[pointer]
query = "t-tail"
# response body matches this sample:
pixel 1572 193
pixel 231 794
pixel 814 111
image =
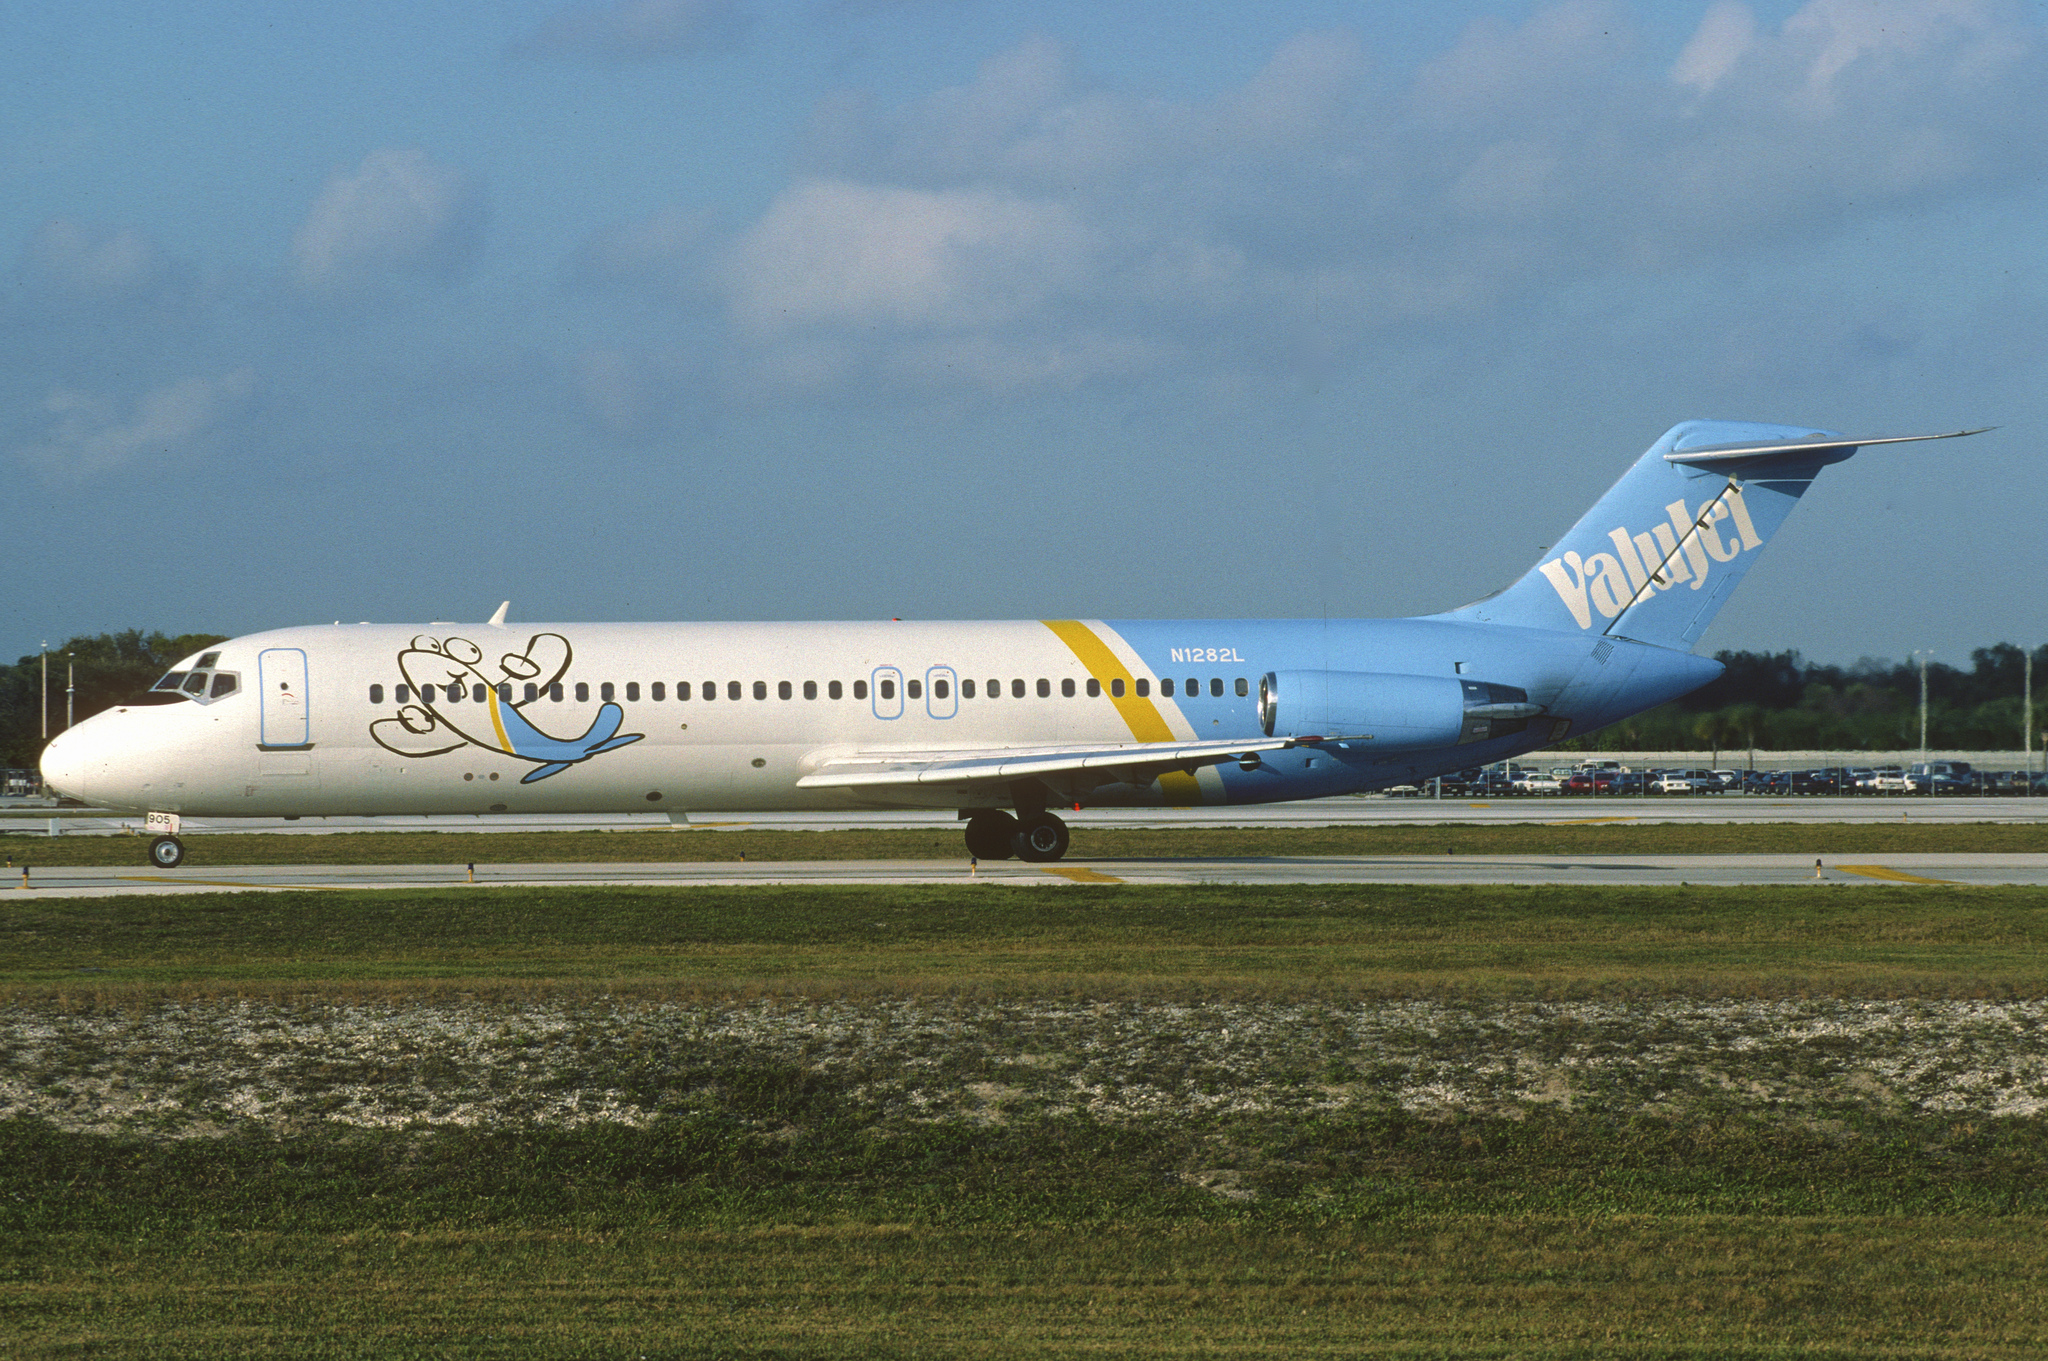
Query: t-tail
pixel 1655 558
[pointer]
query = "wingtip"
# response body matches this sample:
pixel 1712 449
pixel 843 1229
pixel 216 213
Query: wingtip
pixel 497 621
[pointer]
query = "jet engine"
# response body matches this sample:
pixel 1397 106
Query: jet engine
pixel 1393 712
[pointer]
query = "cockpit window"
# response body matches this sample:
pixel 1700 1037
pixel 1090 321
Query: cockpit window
pixel 207 662
pixel 224 683
pixel 195 684
pixel 171 681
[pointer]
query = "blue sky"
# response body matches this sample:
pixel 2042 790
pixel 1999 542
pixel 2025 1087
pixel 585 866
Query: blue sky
pixel 724 309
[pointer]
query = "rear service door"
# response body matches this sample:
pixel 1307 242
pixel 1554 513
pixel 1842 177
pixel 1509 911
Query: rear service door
pixel 281 680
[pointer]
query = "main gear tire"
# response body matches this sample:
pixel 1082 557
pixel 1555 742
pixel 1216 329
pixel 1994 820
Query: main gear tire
pixel 988 836
pixel 1039 837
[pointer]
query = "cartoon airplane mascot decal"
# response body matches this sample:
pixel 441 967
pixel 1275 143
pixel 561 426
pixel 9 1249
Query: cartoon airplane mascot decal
pixel 446 673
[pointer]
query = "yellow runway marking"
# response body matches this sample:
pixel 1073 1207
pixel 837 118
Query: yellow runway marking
pixel 1575 822
pixel 220 883
pixel 1082 876
pixel 1895 876
pixel 1479 805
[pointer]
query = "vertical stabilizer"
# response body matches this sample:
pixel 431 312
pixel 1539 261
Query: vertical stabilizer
pixel 1656 558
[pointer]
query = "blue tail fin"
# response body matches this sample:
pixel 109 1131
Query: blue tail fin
pixel 1656 558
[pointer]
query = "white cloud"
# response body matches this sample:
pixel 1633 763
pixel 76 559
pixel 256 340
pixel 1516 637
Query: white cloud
pixel 397 212
pixel 637 30
pixel 90 434
pixel 1031 226
pixel 1723 37
pixel 829 251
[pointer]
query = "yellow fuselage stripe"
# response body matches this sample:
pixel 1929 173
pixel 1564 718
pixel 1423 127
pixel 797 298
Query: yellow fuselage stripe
pixel 504 742
pixel 1138 712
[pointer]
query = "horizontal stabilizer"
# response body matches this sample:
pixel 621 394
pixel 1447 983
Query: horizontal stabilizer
pixel 1720 455
pixel 872 769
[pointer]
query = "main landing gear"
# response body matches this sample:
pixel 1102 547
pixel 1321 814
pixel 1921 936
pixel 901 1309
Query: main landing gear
pixel 993 834
pixel 167 852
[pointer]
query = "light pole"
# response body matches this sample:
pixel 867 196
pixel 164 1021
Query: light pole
pixel 46 689
pixel 70 688
pixel 2027 709
pixel 1922 654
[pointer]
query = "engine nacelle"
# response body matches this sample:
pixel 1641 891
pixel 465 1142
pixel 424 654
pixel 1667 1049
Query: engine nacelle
pixel 1393 712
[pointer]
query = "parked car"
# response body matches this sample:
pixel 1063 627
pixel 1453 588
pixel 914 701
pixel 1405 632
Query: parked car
pixel 1686 782
pixel 1537 782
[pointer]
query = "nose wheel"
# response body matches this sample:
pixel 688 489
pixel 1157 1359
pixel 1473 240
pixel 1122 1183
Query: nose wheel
pixel 167 852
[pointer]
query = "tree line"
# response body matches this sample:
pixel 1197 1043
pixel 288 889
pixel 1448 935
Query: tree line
pixel 1778 701
pixel 1772 700
pixel 108 668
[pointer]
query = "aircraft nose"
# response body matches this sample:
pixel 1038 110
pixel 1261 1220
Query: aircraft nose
pixel 64 764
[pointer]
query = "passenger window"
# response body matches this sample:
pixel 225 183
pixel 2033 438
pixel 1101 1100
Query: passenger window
pixel 888 689
pixel 632 690
pixel 1216 687
pixel 227 685
pixel 913 688
pixel 583 692
pixel 1243 687
pixel 940 689
pixel 555 692
pixel 1094 688
pixel 504 692
pixel 455 692
pixel 1194 689
pixel 1067 687
pixel 1044 688
pixel 995 689
pixel 532 692
pixel 376 694
pixel 833 690
pixel 760 689
pixel 732 689
pixel 1116 687
pixel 1144 688
pixel 810 689
pixel 1016 689
pixel 682 689
pixel 657 692
pixel 967 689
pixel 606 693
pixel 782 690
pixel 860 689
pixel 1166 686
pixel 208 662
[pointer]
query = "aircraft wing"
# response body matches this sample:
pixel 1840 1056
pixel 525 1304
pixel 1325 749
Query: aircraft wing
pixel 1137 762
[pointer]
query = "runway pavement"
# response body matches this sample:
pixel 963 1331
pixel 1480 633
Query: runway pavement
pixel 1348 811
pixel 1579 870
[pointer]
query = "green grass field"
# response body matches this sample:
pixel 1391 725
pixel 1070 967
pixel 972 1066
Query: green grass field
pixel 1577 830
pixel 976 1121
pixel 1092 940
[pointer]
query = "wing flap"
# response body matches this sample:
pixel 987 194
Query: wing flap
pixel 867 770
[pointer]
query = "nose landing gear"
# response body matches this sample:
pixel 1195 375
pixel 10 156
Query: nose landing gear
pixel 167 852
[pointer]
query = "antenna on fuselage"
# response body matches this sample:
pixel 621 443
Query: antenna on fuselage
pixel 497 621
